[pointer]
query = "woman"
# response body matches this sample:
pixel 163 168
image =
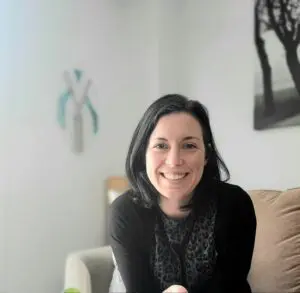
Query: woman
pixel 180 223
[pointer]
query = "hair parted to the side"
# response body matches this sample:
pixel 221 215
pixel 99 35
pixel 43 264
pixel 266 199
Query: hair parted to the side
pixel 143 191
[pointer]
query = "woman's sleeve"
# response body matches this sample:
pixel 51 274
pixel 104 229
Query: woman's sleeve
pixel 126 242
pixel 235 244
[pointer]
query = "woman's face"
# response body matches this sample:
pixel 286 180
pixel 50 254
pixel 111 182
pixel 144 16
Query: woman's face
pixel 175 156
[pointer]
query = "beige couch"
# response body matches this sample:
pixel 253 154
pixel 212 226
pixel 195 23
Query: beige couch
pixel 276 260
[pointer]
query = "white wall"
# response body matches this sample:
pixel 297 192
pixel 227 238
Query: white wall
pixel 218 54
pixel 51 200
pixel 170 55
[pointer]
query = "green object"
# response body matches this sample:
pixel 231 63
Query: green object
pixel 71 290
pixel 63 99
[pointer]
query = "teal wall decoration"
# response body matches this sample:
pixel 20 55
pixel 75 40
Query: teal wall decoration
pixel 80 99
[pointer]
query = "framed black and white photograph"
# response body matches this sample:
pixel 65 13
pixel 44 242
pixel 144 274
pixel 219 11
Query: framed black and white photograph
pixel 277 66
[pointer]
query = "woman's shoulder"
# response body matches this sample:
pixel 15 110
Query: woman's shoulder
pixel 128 219
pixel 233 194
pixel 124 198
pixel 126 208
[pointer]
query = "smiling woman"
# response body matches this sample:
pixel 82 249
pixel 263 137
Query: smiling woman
pixel 175 160
pixel 180 224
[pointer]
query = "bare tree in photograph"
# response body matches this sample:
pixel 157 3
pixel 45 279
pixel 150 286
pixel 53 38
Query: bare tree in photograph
pixel 277 39
pixel 261 24
pixel 284 19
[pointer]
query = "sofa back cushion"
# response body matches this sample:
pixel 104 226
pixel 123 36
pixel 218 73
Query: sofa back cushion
pixel 276 259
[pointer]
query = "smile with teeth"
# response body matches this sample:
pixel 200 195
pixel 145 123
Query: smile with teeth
pixel 174 176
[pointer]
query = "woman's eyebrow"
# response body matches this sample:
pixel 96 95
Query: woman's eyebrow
pixel 185 138
pixel 191 137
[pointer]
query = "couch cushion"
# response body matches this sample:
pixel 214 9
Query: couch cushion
pixel 276 260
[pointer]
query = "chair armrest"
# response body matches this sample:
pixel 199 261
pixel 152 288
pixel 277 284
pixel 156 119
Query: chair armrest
pixel 90 271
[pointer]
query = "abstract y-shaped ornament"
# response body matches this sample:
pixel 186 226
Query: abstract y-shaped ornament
pixel 79 99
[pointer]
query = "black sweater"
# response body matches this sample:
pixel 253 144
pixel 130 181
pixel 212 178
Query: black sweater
pixel 131 229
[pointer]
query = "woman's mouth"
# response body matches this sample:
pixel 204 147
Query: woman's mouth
pixel 174 176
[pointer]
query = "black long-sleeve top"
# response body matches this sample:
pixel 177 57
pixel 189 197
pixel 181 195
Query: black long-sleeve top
pixel 215 258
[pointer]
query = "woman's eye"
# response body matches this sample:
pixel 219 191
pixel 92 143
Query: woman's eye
pixel 189 146
pixel 161 146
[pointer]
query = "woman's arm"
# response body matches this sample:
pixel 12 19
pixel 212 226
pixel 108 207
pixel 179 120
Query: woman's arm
pixel 128 243
pixel 235 237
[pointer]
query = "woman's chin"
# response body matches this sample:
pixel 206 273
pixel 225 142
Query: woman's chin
pixel 180 196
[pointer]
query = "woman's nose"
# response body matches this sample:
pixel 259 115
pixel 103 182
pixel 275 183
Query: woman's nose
pixel 174 158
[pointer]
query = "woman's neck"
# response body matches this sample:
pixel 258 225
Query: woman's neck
pixel 172 208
